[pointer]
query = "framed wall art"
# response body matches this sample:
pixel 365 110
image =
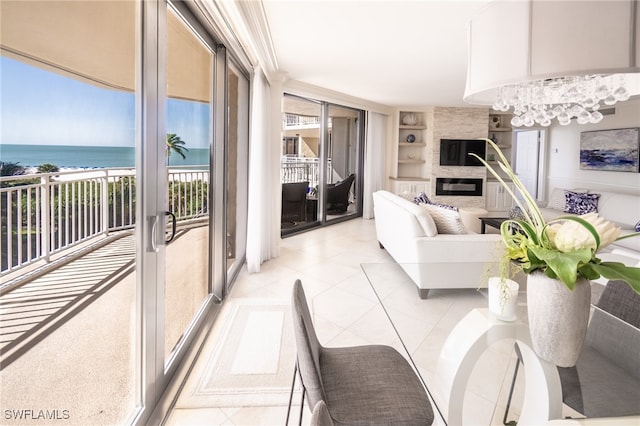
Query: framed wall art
pixel 613 150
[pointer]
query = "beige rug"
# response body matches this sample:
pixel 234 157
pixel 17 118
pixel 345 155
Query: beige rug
pixel 248 360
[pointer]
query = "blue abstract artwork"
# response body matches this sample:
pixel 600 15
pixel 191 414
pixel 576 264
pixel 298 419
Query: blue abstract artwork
pixel 613 150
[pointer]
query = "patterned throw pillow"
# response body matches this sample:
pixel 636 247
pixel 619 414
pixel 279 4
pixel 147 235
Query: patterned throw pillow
pixel 445 206
pixel 580 203
pixel 637 227
pixel 447 221
pixel 422 198
pixel 516 213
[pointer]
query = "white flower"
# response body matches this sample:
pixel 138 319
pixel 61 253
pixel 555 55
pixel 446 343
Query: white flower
pixel 570 235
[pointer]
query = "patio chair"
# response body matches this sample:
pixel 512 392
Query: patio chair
pixel 338 195
pixel 371 384
pixel 294 202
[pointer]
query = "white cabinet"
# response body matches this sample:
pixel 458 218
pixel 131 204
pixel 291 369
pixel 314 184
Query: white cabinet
pixel 498 199
pixel 411 187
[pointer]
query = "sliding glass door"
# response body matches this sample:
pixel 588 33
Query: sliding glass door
pixel 343 162
pixel 321 146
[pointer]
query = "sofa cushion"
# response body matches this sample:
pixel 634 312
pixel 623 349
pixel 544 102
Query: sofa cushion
pixel 447 221
pixel 631 243
pixel 619 208
pixel 580 203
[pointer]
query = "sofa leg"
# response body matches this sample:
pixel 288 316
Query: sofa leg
pixel 423 292
pixel 380 244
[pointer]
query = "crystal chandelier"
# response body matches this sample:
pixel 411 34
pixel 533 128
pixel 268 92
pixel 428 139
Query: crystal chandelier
pixel 562 98
pixel 544 60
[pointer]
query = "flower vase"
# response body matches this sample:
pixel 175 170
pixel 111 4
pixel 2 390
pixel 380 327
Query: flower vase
pixel 503 298
pixel 558 318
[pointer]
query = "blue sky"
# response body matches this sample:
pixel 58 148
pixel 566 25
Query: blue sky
pixel 39 107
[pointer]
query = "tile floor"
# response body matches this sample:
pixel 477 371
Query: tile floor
pixel 347 312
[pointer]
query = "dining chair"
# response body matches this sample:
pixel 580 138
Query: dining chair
pixel 605 382
pixel 320 415
pixel 360 385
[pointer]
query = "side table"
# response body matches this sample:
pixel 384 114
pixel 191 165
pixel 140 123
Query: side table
pixel 494 222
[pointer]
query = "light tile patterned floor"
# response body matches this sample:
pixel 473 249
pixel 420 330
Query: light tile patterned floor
pixel 347 312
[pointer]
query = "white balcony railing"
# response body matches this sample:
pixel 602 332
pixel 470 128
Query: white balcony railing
pixel 299 169
pixel 42 214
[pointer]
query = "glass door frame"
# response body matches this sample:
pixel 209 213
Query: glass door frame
pixel 153 375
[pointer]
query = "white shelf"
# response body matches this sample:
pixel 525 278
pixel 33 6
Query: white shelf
pixel 415 127
pixel 411 161
pixel 410 144
pixel 409 179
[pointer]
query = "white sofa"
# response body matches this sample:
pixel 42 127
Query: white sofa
pixel 432 260
pixel 621 209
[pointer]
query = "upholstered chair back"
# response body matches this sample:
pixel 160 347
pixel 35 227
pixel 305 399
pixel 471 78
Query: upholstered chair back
pixel 307 345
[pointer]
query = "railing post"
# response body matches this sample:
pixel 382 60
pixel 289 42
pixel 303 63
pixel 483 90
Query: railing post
pixel 104 203
pixel 45 216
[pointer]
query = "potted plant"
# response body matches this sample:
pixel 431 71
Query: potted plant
pixel 559 257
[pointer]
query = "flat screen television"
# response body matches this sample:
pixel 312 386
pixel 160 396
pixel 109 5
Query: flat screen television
pixel 455 152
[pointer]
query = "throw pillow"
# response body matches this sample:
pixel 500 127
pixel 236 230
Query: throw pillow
pixel 580 203
pixel 637 227
pixel 445 206
pixel 447 220
pixel 516 213
pixel 557 199
pixel 422 198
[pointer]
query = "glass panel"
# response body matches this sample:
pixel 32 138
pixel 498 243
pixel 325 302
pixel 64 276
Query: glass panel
pixel 300 163
pixel 342 161
pixel 237 165
pixel 189 126
pixel 68 284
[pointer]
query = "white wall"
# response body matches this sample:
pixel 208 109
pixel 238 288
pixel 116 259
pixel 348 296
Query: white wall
pixel 563 167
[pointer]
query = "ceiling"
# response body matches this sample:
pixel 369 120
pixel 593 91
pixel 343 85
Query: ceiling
pixel 392 52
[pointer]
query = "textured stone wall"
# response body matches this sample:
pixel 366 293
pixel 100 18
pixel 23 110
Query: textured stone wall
pixel 455 123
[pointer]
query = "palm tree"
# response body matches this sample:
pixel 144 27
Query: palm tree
pixel 175 144
pixel 48 168
pixel 12 169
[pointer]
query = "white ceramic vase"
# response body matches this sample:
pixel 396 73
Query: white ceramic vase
pixel 503 298
pixel 558 318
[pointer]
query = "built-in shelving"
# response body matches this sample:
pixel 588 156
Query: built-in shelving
pixel 410 173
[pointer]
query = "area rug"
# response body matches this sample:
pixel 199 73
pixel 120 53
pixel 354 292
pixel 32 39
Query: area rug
pixel 249 362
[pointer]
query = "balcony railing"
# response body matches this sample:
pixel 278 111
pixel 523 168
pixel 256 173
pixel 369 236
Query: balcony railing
pixel 299 169
pixel 43 214
pixel 292 120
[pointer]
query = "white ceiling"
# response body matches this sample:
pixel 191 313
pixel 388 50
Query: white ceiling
pixel 393 52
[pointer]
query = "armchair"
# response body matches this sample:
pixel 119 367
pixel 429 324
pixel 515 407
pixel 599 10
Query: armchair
pixel 338 195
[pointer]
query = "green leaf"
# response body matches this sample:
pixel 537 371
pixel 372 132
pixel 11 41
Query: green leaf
pixel 619 271
pixel 563 265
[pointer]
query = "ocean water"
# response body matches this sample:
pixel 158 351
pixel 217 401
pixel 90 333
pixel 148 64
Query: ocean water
pixel 88 157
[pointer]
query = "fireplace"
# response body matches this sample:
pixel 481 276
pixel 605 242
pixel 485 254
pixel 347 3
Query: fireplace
pixel 459 186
